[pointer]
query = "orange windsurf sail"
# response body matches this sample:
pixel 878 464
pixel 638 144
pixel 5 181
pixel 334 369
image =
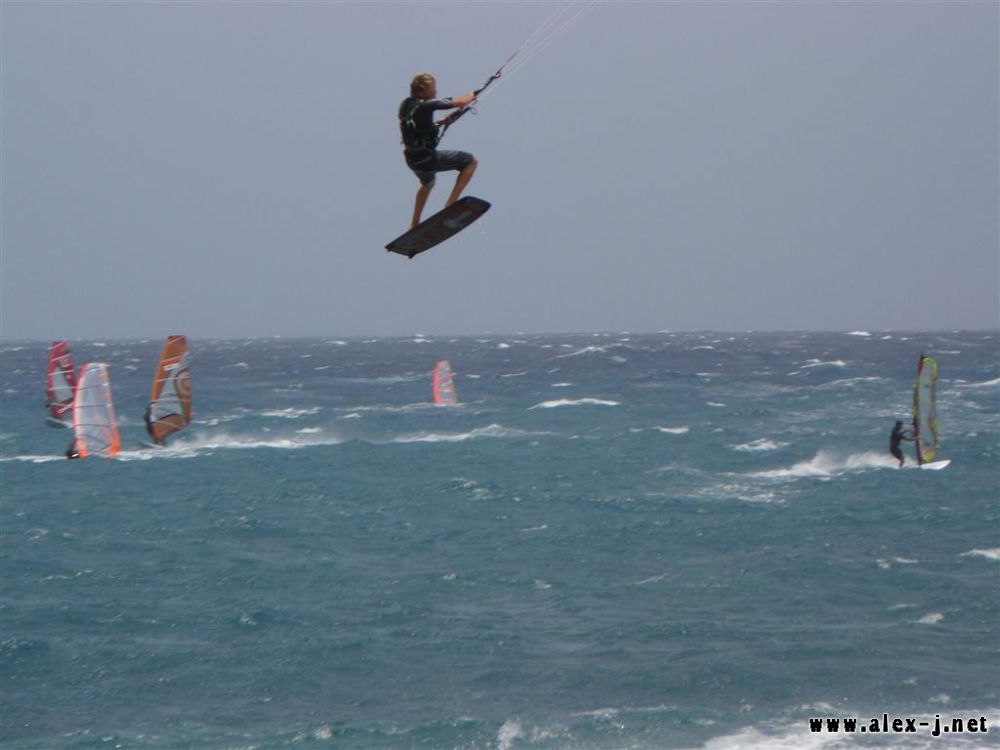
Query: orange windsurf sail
pixel 95 425
pixel 169 408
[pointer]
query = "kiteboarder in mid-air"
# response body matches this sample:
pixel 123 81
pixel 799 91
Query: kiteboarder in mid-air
pixel 420 139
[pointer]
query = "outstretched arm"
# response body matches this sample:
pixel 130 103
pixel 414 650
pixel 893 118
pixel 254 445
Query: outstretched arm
pixel 464 99
pixel 457 101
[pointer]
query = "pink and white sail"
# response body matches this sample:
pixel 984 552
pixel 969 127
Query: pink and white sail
pixel 442 384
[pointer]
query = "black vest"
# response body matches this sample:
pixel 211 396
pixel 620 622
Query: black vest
pixel 416 125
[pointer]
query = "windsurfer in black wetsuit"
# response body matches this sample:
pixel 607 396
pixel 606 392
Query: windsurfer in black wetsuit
pixel 72 451
pixel 420 139
pixel 147 418
pixel 899 435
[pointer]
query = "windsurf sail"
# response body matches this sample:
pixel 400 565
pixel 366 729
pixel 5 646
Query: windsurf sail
pixel 60 382
pixel 441 382
pixel 169 408
pixel 94 423
pixel 925 422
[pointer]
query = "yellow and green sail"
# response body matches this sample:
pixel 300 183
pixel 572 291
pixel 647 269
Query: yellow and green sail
pixel 925 422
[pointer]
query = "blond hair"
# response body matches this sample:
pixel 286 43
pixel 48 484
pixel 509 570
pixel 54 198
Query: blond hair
pixel 420 83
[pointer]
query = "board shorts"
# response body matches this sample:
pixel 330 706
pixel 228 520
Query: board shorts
pixel 425 166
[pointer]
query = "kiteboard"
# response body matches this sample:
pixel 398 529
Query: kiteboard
pixel 439 227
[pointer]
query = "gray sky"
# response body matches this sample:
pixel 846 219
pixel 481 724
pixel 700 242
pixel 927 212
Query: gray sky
pixel 234 168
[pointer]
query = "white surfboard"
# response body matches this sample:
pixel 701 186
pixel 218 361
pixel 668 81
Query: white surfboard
pixel 936 465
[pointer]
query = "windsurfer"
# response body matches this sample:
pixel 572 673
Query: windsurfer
pixel 420 139
pixel 147 417
pixel 72 451
pixel 898 435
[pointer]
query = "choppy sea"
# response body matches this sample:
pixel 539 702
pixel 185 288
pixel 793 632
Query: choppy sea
pixel 669 540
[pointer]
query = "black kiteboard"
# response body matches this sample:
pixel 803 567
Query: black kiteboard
pixel 439 227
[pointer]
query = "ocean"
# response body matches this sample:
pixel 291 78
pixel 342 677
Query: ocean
pixel 615 540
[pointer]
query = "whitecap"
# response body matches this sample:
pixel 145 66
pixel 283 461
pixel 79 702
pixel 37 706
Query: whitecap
pixel 760 444
pixel 396 408
pixel 651 579
pixel 574 402
pixel 33 459
pixel 851 382
pixel 990 554
pixel 193 447
pixel 325 732
pixel 509 732
pixel 821 363
pixel 585 350
pixel 985 384
pixel 827 464
pixel 665 430
pixel 740 491
pixel 291 413
pixel 887 564
pixel 490 431
pixel 932 618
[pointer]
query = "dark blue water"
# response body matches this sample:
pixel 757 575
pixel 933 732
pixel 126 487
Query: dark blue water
pixel 614 541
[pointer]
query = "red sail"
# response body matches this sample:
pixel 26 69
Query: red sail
pixel 60 383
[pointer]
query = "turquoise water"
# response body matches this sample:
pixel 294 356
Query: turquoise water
pixel 613 541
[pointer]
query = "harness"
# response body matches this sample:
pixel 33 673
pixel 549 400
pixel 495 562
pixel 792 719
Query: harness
pixel 416 139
